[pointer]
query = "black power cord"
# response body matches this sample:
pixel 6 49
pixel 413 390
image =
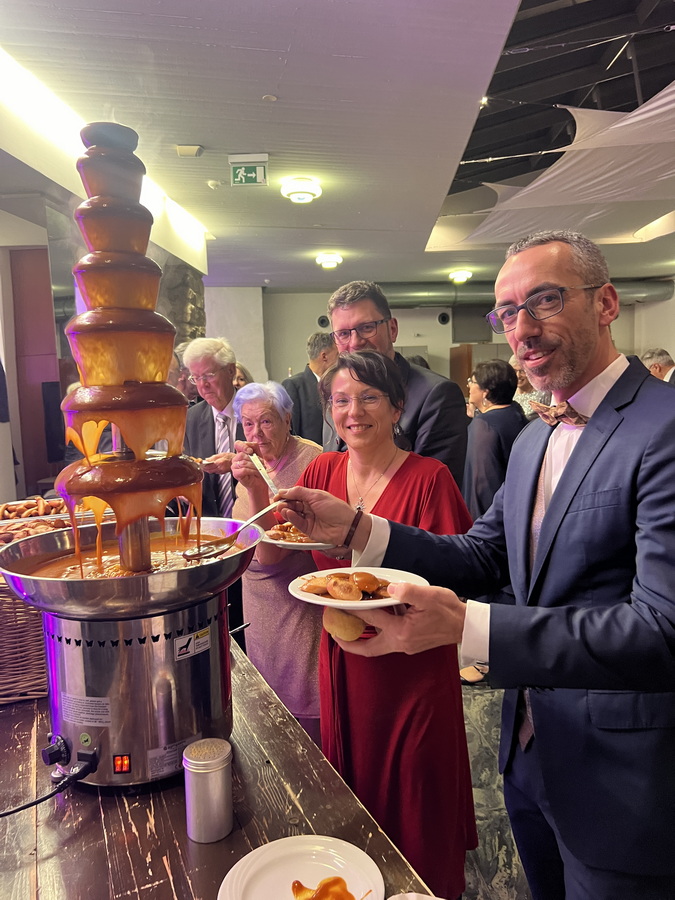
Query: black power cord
pixel 87 763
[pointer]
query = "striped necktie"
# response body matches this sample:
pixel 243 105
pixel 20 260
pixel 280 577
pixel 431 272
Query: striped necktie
pixel 223 445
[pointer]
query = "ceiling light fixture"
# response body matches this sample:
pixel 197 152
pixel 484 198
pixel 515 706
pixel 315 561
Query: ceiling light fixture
pixel 302 189
pixel 329 260
pixel 460 276
pixel 189 151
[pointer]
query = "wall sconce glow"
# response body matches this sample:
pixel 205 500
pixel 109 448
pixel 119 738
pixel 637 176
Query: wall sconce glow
pixel 302 189
pixel 460 276
pixel 329 260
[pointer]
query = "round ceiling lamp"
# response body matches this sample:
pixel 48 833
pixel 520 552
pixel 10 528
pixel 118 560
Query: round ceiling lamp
pixel 301 189
pixel 460 276
pixel 329 260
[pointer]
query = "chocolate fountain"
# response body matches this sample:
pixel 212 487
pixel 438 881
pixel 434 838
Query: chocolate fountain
pixel 136 636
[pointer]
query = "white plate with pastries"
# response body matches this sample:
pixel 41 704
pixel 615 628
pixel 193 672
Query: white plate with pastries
pixel 290 538
pixel 269 872
pixel 387 575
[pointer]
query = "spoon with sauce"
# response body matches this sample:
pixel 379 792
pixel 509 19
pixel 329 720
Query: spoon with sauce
pixel 216 548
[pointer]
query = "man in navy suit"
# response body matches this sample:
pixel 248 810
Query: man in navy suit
pixel 434 420
pixel 303 387
pixel 584 530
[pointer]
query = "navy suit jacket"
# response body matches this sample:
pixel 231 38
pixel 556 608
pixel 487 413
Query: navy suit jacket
pixel 592 628
pixel 434 421
pixel 306 418
pixel 200 441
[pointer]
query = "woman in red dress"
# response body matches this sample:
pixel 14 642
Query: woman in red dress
pixel 393 726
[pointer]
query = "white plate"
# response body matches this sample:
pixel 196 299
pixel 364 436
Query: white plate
pixel 295 588
pixel 297 545
pixel 268 872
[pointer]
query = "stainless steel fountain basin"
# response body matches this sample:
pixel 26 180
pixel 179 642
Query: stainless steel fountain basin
pixel 129 597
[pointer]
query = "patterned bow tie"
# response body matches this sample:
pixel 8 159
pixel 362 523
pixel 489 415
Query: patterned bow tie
pixel 563 412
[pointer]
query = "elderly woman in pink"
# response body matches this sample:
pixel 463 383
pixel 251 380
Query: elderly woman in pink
pixel 283 638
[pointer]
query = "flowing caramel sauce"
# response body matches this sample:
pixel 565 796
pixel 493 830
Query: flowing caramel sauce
pixel 123 350
pixel 166 555
pixel 334 888
pixel 144 414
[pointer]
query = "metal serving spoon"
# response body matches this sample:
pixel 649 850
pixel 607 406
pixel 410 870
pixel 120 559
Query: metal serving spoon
pixel 215 548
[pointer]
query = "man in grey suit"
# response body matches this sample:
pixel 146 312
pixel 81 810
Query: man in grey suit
pixel 584 529
pixel 660 363
pixel 210 429
pixel 210 433
pixel 303 388
pixel 434 421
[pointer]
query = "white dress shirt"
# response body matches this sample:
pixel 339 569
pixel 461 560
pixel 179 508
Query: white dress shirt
pixel 563 440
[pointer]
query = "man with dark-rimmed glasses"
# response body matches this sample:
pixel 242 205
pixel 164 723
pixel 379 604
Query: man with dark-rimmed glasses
pixel 584 530
pixel 434 419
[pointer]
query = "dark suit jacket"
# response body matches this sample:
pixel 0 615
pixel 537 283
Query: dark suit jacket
pixel 434 420
pixel 306 418
pixel 593 625
pixel 200 441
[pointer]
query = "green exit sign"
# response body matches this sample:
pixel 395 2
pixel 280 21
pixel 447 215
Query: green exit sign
pixel 248 175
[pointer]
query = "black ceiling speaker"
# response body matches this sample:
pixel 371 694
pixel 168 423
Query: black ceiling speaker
pixel 443 318
pixel 323 321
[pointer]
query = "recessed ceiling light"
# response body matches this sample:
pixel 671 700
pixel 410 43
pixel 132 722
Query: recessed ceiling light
pixel 460 276
pixel 270 98
pixel 301 189
pixel 329 260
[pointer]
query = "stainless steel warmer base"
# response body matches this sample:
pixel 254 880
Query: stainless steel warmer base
pixel 139 690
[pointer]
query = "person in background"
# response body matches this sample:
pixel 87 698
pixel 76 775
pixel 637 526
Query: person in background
pixel 660 363
pixel 243 376
pixel 173 376
pixel 583 527
pixel 303 387
pixel 434 420
pixel 393 727
pixel 496 424
pixel 283 638
pixel 525 393
pixel 418 361
pixel 210 434
pixel 210 428
pixel 184 385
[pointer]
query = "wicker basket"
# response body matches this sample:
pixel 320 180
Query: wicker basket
pixel 23 671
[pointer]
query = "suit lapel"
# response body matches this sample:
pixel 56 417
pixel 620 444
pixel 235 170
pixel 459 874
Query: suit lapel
pixel 519 501
pixel 597 433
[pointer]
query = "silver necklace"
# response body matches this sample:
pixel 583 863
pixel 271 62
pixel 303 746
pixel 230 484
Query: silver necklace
pixel 361 504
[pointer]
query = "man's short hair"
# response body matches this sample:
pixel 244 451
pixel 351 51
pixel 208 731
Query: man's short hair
pixel 209 348
pixel 658 356
pixel 321 340
pixel 588 257
pixel 350 293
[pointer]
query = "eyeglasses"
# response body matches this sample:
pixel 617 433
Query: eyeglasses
pixel 365 330
pixel 541 305
pixel 207 376
pixel 342 402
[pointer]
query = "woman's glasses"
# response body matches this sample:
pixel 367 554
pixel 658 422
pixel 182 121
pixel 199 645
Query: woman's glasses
pixel 342 402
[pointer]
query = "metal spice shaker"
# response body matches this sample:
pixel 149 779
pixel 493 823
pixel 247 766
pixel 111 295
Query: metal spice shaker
pixel 208 789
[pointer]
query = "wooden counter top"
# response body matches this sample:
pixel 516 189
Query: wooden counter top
pixel 105 844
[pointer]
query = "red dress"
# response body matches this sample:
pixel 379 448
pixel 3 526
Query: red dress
pixel 393 726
